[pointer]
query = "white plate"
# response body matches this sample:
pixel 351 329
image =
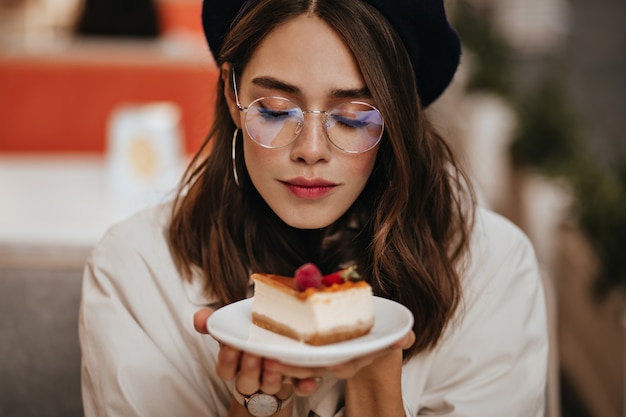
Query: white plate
pixel 232 325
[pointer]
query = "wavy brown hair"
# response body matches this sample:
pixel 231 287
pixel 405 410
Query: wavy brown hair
pixel 409 229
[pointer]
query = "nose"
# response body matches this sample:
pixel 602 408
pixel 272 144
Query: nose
pixel 311 144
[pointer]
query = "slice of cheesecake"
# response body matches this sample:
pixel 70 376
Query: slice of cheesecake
pixel 314 315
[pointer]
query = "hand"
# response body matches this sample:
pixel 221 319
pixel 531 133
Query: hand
pixel 373 382
pixel 250 370
pixel 200 319
pixel 351 368
pixel 347 369
pixel 373 385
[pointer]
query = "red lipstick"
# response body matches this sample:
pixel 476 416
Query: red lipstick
pixel 309 189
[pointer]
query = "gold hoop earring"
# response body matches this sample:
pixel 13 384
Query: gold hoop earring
pixel 234 154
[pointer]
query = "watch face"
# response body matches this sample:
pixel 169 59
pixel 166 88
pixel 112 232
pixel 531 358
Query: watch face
pixel 262 405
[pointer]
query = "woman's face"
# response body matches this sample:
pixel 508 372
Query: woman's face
pixel 309 183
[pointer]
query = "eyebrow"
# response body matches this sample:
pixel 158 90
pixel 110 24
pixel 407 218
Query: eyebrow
pixel 274 84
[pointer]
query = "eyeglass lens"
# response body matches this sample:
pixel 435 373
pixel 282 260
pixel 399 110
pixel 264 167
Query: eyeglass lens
pixel 274 122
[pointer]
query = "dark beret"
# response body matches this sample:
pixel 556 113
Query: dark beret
pixel 432 44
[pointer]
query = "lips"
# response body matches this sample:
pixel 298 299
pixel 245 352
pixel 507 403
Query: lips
pixel 309 189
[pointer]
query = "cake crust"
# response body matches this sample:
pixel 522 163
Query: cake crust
pixel 338 334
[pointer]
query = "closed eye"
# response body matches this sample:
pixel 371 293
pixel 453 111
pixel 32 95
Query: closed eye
pixel 349 122
pixel 276 114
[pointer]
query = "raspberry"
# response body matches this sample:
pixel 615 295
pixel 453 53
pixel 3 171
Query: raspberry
pixel 307 276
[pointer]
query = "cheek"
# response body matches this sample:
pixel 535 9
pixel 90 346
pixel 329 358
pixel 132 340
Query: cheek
pixel 259 161
pixel 359 167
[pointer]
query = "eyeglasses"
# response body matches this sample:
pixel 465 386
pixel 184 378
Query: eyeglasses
pixel 274 122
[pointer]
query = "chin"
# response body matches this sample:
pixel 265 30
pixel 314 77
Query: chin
pixel 312 222
pixel 308 225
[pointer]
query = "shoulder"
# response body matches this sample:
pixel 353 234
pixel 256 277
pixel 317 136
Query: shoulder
pixel 134 257
pixel 498 248
pixel 501 279
pixel 138 229
pixel 142 235
pixel 134 250
pixel 496 233
pixel 502 285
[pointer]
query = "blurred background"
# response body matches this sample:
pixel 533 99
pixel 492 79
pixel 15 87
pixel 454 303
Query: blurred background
pixel 102 102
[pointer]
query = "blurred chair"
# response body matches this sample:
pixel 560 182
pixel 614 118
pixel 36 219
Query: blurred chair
pixel 39 348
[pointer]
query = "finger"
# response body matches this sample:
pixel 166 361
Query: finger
pixel 271 381
pixel 406 342
pixel 200 318
pixel 249 376
pixel 350 368
pixel 307 386
pixel 227 364
pixel 292 371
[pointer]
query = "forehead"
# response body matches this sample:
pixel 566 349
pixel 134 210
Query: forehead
pixel 308 53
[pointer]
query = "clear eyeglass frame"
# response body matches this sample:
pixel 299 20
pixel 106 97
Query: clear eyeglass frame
pixel 363 131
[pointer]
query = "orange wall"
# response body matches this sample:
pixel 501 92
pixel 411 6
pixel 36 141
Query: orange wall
pixel 61 102
pixel 56 106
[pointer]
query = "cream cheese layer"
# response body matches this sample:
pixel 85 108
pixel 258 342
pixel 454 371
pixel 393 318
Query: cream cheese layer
pixel 319 313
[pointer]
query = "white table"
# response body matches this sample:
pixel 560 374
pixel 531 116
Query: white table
pixel 53 209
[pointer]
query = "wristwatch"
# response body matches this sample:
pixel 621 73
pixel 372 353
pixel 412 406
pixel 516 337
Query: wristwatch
pixel 261 404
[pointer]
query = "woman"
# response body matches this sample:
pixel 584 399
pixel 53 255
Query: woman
pixel 312 185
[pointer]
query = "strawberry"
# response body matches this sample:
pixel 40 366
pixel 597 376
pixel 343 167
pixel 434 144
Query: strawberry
pixel 342 276
pixel 334 278
pixel 307 276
